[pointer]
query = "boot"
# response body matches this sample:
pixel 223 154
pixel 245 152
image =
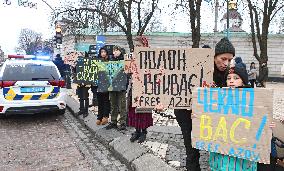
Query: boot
pixel 79 113
pixel 104 120
pixel 135 136
pixel 111 126
pixel 142 137
pixel 85 114
pixel 122 127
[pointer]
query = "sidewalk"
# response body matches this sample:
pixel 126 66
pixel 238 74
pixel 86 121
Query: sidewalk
pixel 162 150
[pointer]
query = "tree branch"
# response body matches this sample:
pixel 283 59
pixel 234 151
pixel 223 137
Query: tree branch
pixel 253 30
pixel 100 13
pixel 275 12
pixel 148 18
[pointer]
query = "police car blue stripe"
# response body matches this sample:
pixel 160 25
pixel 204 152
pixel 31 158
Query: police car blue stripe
pixel 55 90
pixel 35 97
pixel 18 97
pixel 5 91
pixel 52 96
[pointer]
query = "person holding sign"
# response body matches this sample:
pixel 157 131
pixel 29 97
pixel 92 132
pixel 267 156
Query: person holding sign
pixel 237 77
pixel 142 120
pixel 103 97
pixel 118 98
pixel 224 53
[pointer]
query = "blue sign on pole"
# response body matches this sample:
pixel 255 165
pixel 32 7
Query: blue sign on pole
pixel 100 43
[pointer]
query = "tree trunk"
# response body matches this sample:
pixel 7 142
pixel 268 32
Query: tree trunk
pixel 263 73
pixel 130 41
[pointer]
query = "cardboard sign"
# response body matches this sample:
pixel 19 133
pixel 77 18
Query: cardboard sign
pixel 233 122
pixel 86 71
pixel 167 76
pixel 129 63
pixel 70 58
pixel 111 76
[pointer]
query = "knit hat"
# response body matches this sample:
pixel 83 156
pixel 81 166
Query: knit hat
pixel 224 46
pixel 239 68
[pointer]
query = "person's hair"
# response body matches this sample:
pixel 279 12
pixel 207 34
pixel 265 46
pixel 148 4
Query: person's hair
pixel 252 67
pixel 100 51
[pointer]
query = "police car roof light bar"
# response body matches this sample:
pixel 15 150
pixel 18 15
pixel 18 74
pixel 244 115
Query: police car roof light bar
pixel 21 56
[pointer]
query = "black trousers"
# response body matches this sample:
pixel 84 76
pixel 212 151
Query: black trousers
pixel 83 95
pixel 269 167
pixel 183 118
pixel 103 105
pixel 252 82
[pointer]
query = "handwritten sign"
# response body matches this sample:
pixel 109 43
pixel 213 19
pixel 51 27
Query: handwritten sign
pixel 86 71
pixel 167 76
pixel 233 122
pixel 111 76
pixel 129 63
pixel 70 58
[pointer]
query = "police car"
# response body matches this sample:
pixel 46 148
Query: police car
pixel 29 85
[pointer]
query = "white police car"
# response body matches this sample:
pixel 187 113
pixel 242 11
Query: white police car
pixel 29 86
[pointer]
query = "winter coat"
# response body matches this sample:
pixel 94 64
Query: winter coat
pixel 60 65
pixel 252 74
pixel 219 77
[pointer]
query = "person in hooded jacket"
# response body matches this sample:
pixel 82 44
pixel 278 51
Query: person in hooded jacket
pixel 60 65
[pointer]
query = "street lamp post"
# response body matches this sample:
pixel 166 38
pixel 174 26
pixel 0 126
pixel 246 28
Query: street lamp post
pixel 228 25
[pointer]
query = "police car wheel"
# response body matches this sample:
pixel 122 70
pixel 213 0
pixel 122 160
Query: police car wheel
pixel 2 116
pixel 61 112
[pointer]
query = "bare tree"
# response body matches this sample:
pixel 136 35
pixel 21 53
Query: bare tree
pixel 192 8
pixel 125 9
pixel 29 40
pixel 262 11
pixel 76 22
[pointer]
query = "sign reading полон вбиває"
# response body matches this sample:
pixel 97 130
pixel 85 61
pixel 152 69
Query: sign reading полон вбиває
pixel 233 122
pixel 167 76
pixel 86 71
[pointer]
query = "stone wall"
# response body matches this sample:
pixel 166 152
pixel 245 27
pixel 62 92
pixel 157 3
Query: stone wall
pixel 241 41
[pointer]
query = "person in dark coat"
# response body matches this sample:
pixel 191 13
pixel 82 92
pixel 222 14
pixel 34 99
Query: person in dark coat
pixel 224 53
pixel 103 96
pixel 60 65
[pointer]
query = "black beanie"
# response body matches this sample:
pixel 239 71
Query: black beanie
pixel 239 69
pixel 224 46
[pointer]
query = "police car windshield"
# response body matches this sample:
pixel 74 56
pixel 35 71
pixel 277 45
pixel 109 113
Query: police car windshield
pixel 30 72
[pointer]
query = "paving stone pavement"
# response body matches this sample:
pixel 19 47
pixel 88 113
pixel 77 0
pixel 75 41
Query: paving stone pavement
pixel 52 142
pixel 164 139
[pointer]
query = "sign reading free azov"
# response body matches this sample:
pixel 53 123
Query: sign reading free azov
pixel 168 76
pixel 233 122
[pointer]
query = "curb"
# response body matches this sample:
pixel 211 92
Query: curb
pixel 133 155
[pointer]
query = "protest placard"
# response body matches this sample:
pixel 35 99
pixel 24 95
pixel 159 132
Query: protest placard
pixel 111 76
pixel 70 58
pixel 129 63
pixel 233 122
pixel 86 71
pixel 167 76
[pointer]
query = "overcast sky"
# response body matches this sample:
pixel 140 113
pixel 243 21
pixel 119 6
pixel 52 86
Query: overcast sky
pixel 14 18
